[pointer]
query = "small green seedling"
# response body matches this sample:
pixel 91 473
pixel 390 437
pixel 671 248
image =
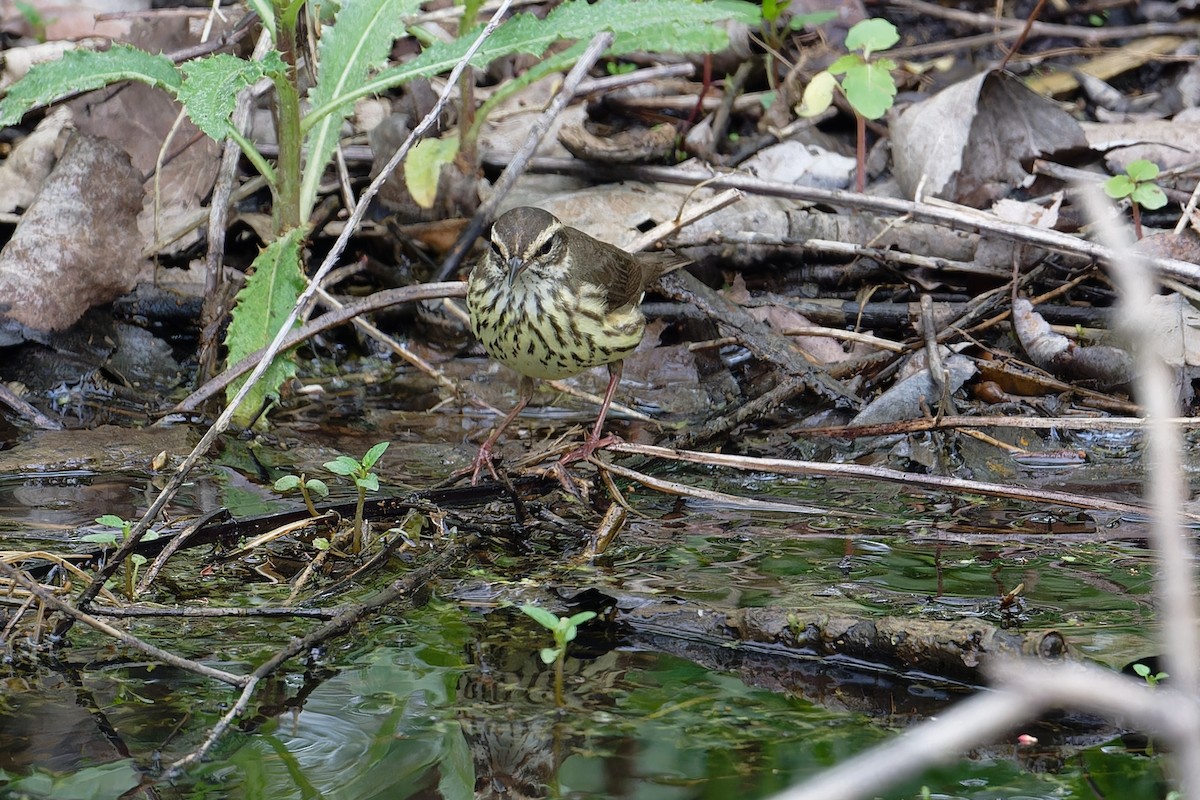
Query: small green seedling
pixel 564 629
pixel 309 487
pixel 1144 673
pixel 1137 183
pixel 134 561
pixel 866 82
pixel 364 481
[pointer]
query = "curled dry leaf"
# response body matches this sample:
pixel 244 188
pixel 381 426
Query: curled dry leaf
pixel 1055 353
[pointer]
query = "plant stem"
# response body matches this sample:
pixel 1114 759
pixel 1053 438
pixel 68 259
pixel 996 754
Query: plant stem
pixel 288 214
pixel 357 542
pixel 558 677
pixel 1137 218
pixel 860 179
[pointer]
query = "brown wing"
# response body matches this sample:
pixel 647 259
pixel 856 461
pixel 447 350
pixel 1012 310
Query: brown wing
pixel 625 276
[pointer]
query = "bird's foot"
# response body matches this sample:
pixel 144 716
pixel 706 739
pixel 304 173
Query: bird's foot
pixel 483 459
pixel 589 446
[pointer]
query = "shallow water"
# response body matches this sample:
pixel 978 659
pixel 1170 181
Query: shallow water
pixel 450 698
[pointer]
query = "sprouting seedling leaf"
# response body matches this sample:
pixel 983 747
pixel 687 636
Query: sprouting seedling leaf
pixel 1142 170
pixel 870 35
pixel 818 95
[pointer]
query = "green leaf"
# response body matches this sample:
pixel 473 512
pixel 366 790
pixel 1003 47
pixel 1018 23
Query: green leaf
pixel 1119 186
pixel 667 26
pixel 870 90
pixel 845 63
pixel 111 521
pixel 1142 170
pixel 262 306
pixel 549 654
pixel 541 616
pixel 83 70
pixel 368 483
pixel 211 86
pixel 423 168
pixel 107 538
pixel 342 465
pixel 1149 196
pixel 321 543
pixel 359 41
pixel 373 455
pixel 818 95
pixel 287 483
pixel 317 487
pixel 266 14
pixel 870 35
pixel 582 617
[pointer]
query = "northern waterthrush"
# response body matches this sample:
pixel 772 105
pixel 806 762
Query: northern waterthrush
pixel 550 301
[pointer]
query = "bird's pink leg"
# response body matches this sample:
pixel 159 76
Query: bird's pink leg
pixel 484 457
pixel 594 440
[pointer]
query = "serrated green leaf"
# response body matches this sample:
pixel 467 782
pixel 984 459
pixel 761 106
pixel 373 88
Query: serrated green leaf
pixel 870 90
pixel 818 95
pixel 1149 196
pixel 262 306
pixel 359 41
pixel 423 168
pixel 541 616
pixel 83 70
pixel 662 25
pixel 211 86
pixel 1142 170
pixel 373 455
pixel 870 35
pixel 1119 186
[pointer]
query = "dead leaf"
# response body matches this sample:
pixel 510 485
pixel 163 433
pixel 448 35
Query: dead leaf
pixel 77 245
pixel 968 142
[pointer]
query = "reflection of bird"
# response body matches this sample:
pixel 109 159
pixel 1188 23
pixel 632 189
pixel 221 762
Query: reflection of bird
pixel 550 301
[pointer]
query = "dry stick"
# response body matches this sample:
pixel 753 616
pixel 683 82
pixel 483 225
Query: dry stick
pixel 9 398
pixel 516 167
pixel 306 297
pixel 347 615
pixel 1176 581
pixel 1062 423
pixel 332 319
pixel 960 218
pixel 824 469
pixel 724 498
pixel 47 598
pixel 1040 29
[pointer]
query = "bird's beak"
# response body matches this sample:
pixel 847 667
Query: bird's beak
pixel 515 265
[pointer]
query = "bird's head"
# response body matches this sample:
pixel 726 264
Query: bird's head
pixel 527 238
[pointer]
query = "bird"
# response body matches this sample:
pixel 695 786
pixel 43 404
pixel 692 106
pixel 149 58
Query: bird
pixel 550 301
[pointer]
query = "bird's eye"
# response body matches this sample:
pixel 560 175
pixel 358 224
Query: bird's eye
pixel 496 249
pixel 546 247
